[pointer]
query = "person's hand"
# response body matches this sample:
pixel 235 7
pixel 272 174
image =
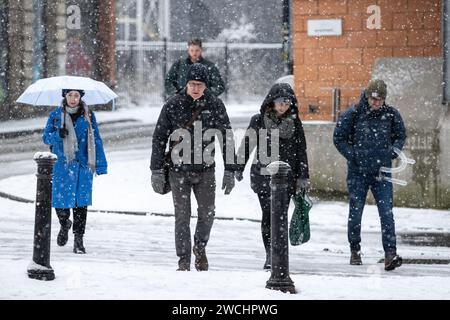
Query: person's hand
pixel 238 175
pixel 302 185
pixel 158 181
pixel 63 132
pixel 228 181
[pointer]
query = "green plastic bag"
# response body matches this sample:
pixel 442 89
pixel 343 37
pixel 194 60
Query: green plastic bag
pixel 299 231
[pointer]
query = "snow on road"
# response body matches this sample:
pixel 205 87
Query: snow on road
pixel 133 257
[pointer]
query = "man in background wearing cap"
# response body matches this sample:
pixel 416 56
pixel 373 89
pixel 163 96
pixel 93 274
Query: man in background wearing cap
pixel 366 136
pixel 193 108
pixel 176 77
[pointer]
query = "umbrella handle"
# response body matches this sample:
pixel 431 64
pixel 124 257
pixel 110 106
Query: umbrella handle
pixel 64 118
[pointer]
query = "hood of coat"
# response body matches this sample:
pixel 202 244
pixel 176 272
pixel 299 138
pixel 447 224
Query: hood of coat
pixel 280 90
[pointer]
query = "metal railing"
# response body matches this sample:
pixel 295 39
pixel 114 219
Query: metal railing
pixel 248 69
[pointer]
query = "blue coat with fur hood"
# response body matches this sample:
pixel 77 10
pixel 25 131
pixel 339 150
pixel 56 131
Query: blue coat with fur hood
pixel 72 182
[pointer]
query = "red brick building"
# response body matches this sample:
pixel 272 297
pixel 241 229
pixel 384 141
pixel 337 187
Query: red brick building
pixel 407 28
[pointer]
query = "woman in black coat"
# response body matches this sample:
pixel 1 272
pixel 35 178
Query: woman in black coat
pixel 279 118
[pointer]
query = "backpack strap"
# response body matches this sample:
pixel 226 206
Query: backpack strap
pixel 187 126
pixel 195 115
pixel 354 118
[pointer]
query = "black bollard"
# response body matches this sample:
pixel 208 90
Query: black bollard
pixel 40 268
pixel 279 185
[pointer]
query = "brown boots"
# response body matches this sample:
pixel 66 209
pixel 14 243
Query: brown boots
pixel 392 260
pixel 355 258
pixel 184 264
pixel 201 261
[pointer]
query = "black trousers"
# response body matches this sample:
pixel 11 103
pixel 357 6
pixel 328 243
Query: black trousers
pixel 204 186
pixel 79 218
pixel 264 202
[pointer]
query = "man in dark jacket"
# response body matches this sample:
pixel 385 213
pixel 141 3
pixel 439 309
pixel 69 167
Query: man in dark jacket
pixel 188 118
pixel 366 136
pixel 176 77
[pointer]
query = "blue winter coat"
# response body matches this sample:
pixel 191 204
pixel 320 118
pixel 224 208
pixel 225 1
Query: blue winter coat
pixel 366 137
pixel 72 182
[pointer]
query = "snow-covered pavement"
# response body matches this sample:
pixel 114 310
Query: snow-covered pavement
pixel 133 257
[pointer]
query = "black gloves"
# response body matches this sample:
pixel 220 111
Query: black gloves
pixel 63 132
pixel 239 176
pixel 228 181
pixel 158 181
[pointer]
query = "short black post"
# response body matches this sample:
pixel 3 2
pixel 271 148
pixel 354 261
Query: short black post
pixel 279 185
pixel 40 268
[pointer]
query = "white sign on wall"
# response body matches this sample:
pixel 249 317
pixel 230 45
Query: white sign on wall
pixel 328 27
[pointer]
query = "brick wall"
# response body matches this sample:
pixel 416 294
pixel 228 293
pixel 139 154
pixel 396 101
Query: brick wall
pixel 409 28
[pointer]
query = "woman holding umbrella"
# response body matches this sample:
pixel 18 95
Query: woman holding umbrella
pixel 72 134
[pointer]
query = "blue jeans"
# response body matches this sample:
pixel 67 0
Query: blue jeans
pixel 358 185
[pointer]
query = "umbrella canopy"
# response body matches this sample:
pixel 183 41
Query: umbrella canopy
pixel 48 91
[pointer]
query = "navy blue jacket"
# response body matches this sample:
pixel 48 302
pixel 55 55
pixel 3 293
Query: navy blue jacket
pixel 366 137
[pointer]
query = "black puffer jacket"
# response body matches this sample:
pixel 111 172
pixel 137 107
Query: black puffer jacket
pixel 291 151
pixel 175 114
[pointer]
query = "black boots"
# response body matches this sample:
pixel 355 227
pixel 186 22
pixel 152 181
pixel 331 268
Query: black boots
pixel 268 263
pixel 63 234
pixel 79 224
pixel 201 261
pixel 78 244
pixel 355 258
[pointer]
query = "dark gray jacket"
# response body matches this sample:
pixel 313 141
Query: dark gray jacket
pixel 175 80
